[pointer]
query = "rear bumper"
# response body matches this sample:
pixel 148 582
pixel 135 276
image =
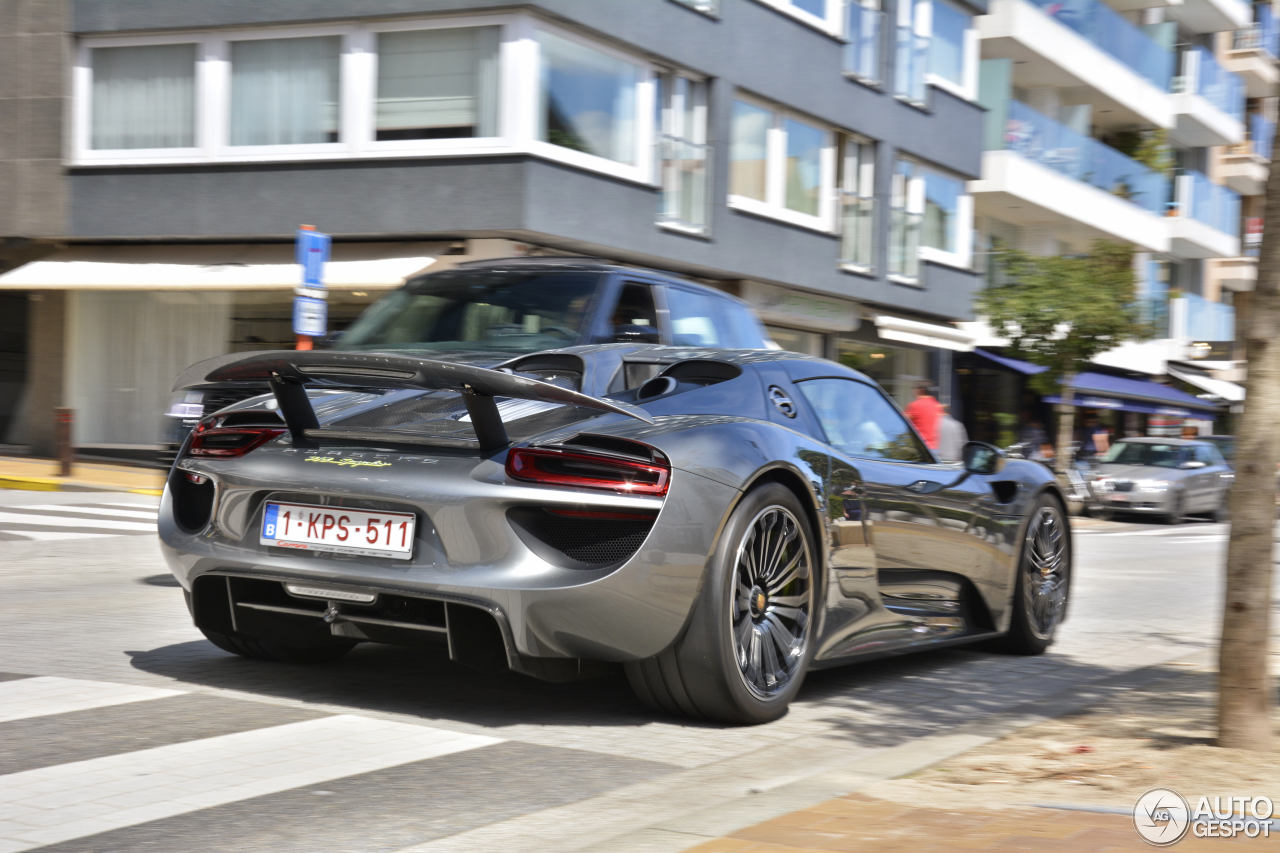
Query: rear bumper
pixel 468 559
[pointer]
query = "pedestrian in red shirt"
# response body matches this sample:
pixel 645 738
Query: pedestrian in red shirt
pixel 924 412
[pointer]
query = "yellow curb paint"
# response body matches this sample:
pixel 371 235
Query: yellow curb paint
pixel 155 492
pixel 30 484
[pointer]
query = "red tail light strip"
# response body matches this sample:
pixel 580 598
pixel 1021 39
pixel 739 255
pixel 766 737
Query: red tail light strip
pixel 589 471
pixel 208 439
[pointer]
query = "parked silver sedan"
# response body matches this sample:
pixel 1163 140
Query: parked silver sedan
pixel 1166 477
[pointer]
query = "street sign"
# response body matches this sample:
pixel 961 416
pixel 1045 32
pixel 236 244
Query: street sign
pixel 312 251
pixel 310 316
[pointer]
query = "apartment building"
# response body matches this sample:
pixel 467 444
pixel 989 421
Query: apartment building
pixel 811 156
pixel 1110 121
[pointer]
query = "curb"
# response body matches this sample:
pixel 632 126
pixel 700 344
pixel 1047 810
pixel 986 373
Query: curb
pixel 55 484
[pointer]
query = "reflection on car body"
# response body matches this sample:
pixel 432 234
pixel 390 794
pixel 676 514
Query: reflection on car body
pixel 656 509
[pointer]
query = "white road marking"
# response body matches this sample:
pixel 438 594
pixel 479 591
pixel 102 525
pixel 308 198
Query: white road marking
pixel 131 512
pixel 13 521
pixel 49 805
pixel 22 698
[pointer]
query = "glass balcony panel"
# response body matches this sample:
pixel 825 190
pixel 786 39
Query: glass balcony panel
pixel 1262 134
pixel 910 61
pixel 1083 158
pixel 1263 34
pixel 862 53
pixel 1203 75
pixel 1114 35
pixel 1214 205
pixel 857 217
pixel 684 167
pixel 1209 321
pixel 904 243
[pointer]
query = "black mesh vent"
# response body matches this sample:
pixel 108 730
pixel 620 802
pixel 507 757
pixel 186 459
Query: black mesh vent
pixel 586 542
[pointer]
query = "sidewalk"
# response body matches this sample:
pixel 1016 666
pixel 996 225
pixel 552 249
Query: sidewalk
pixel 41 475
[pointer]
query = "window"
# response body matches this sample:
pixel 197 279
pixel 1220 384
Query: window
pixel 437 84
pixel 682 150
pixel 588 100
pixel 780 165
pixel 705 320
pixel 862 53
pixel 859 421
pixel 931 217
pixel 935 43
pixel 857 204
pixel 143 97
pixel 822 14
pixel 284 91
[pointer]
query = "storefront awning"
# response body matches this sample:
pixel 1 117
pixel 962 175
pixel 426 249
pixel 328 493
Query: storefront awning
pixel 892 328
pixel 218 267
pixel 1024 367
pixel 1220 388
pixel 1100 391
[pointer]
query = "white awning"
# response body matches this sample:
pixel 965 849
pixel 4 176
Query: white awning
pixel 1220 388
pixel 923 334
pixel 222 267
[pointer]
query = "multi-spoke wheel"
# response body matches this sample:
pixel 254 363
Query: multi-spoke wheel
pixel 748 643
pixel 1044 580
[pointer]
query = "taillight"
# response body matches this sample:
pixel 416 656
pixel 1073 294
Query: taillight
pixel 588 470
pixel 210 438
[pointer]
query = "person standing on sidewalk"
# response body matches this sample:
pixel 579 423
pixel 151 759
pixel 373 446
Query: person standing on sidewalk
pixel 924 412
pixel 951 436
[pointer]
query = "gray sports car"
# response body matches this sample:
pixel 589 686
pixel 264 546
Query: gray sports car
pixel 716 521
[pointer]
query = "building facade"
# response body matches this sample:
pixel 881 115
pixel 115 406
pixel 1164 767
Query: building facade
pixel 812 156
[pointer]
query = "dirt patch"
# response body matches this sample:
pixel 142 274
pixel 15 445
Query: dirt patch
pixel 1160 735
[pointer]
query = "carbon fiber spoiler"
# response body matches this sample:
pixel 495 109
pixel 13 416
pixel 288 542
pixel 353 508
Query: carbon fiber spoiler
pixel 287 372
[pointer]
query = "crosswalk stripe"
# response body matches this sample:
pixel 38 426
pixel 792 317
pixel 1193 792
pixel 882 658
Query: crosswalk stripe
pixel 12 519
pixel 53 535
pixel 23 698
pixel 88 510
pixel 56 804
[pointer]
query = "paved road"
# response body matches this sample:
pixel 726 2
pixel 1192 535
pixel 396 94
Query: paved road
pixel 122 729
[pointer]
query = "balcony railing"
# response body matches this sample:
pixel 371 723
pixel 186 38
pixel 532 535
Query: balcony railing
pixel 683 167
pixel 862 53
pixel 857 220
pixel 1262 134
pixel 911 57
pixel 1262 34
pixel 1202 75
pixel 1075 155
pixel 1209 321
pixel 1113 35
pixel 1206 202
pixel 1153 312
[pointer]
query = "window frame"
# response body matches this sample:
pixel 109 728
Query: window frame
pixel 967 88
pixel 857 180
pixel 774 204
pixel 832 23
pixel 519 61
pixel 916 204
pixel 669 120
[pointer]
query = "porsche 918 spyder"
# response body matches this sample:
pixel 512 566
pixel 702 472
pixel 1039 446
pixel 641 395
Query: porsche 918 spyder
pixel 718 522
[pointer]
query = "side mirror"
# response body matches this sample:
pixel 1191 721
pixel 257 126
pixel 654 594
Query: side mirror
pixel 636 334
pixel 981 458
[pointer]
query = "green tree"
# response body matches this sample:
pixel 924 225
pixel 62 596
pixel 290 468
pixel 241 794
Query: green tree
pixel 1061 311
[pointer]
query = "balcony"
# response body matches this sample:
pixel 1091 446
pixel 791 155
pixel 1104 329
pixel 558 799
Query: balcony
pixel 1044 173
pixel 1237 274
pixel 1085 46
pixel 1253 54
pixel 1208 102
pixel 1204 219
pixel 1244 167
pixel 1209 16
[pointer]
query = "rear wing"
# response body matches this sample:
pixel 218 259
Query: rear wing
pixel 288 372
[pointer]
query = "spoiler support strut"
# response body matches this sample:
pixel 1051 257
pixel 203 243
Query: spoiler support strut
pixel 295 407
pixel 485 419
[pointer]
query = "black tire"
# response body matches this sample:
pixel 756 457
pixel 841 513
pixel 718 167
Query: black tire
pixel 717 668
pixel 273 650
pixel 1043 585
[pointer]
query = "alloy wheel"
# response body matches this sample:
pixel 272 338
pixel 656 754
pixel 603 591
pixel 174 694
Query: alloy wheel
pixel 1045 569
pixel 771 604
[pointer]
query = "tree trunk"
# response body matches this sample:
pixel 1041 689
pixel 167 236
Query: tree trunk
pixel 1246 694
pixel 1066 427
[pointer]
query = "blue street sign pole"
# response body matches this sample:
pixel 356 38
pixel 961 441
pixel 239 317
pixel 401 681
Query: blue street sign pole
pixel 310 305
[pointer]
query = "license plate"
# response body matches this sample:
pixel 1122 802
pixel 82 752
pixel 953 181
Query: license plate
pixel 339 530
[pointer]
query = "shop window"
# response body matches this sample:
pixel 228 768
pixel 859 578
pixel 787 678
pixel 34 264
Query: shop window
pixel 437 84
pixel 683 151
pixel 588 100
pixel 284 91
pixel 143 97
pixel 780 165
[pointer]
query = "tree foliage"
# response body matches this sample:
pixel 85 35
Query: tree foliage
pixel 1061 311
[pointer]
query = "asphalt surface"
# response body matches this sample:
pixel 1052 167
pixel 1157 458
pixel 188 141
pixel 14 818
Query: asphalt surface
pixel 122 729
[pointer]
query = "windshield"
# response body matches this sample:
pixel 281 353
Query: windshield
pixel 1144 453
pixel 504 311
